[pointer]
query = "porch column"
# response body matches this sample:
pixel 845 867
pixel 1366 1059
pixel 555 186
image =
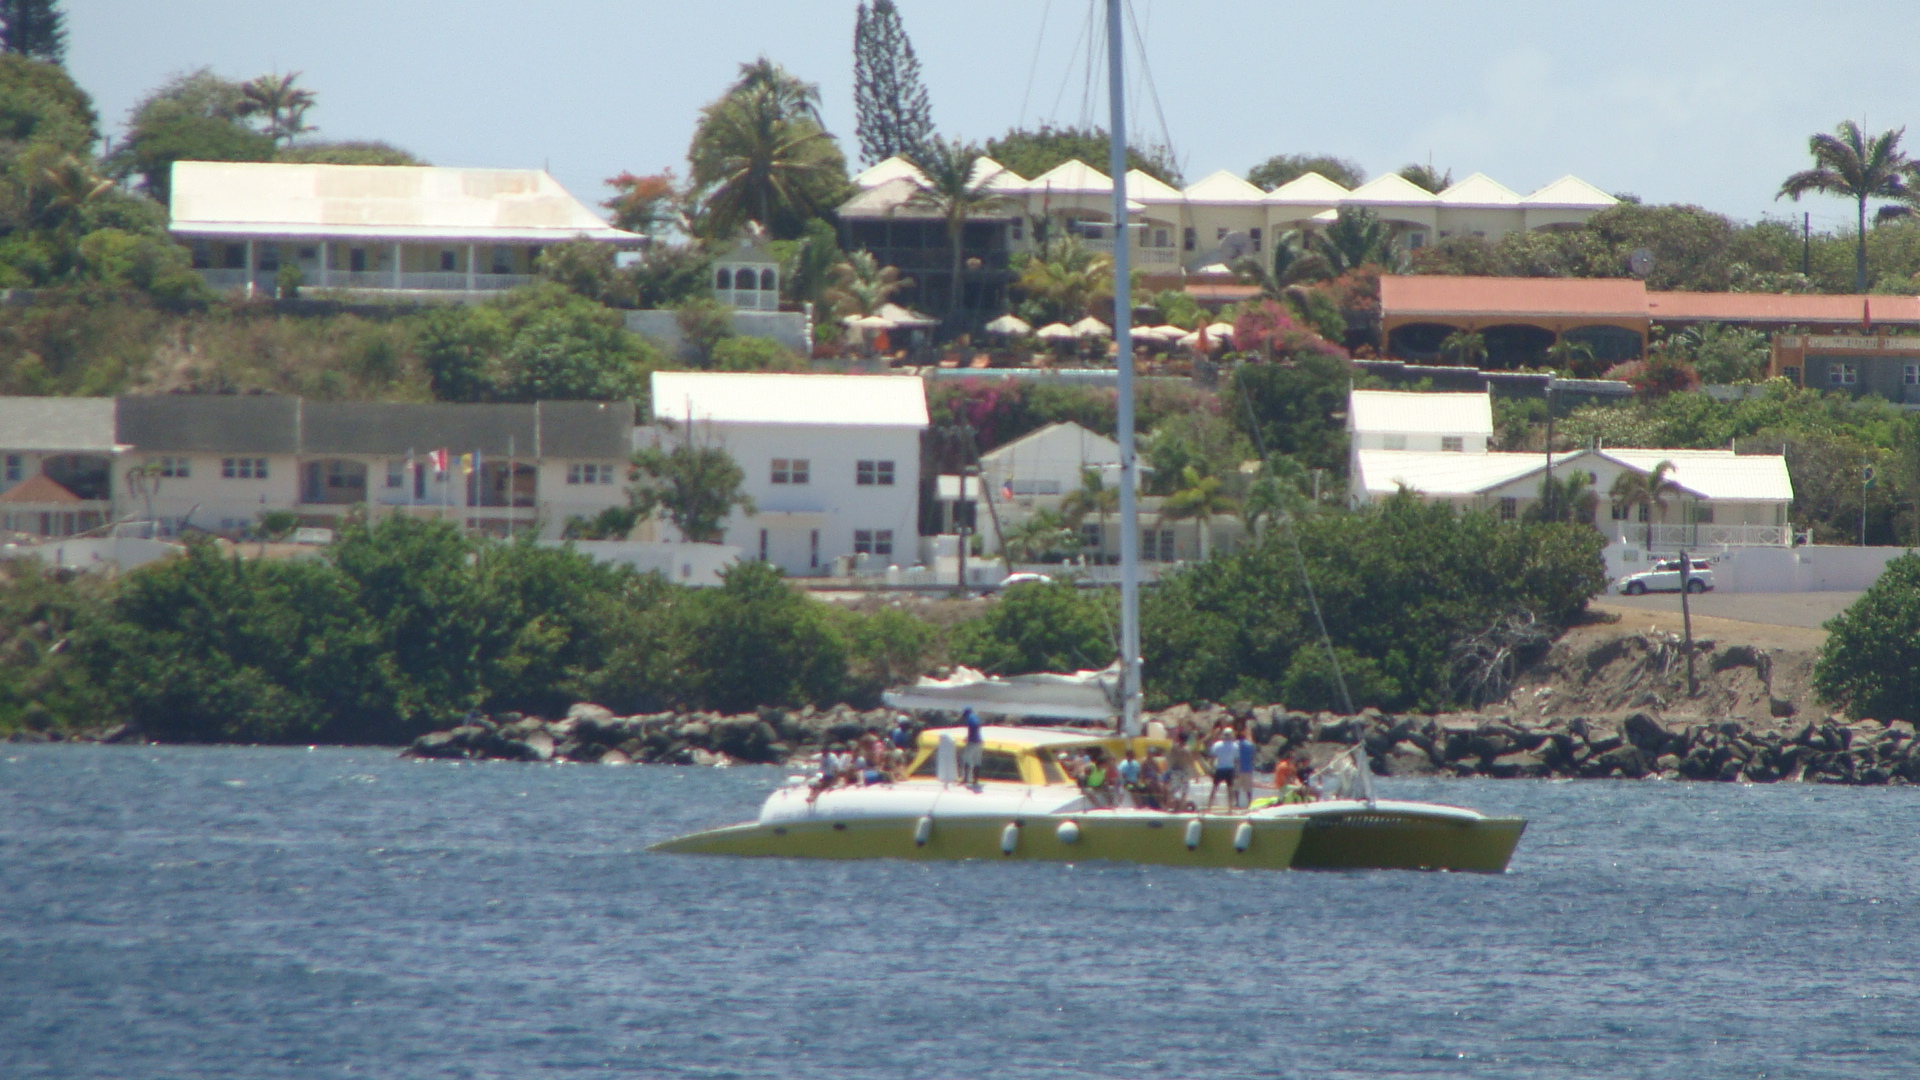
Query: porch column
pixel 249 267
pixel 471 250
pixel 323 264
pixel 396 264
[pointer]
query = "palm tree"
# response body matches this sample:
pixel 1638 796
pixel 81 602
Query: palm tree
pixel 1849 164
pixel 1094 497
pixel 1293 262
pixel 1356 237
pixel 1570 355
pixel 1066 278
pixel 1280 489
pixel 68 187
pixel 1200 500
pixel 1041 534
pixel 757 158
pixel 283 104
pixel 948 188
pixel 795 96
pixel 1570 497
pixel 861 284
pixel 1466 347
pixel 1647 491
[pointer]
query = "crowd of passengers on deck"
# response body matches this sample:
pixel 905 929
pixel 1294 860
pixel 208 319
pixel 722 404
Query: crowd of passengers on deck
pixel 1163 777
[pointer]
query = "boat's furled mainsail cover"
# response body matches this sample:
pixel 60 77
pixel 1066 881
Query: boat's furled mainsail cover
pixel 1083 695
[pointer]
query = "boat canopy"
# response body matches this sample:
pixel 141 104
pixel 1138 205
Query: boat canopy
pixel 1082 695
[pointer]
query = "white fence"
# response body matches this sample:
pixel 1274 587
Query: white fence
pixel 1812 568
pixel 1704 534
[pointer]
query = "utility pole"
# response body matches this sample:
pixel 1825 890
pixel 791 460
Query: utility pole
pixel 1686 618
pixel 1547 488
pixel 1866 481
pixel 1806 244
pixel 963 526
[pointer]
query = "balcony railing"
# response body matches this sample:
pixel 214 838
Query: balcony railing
pixel 1703 534
pixel 266 280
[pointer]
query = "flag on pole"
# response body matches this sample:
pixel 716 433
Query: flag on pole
pixel 439 459
pixel 466 464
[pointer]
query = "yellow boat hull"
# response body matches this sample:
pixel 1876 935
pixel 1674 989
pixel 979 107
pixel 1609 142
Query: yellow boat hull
pixel 1159 839
pixel 1377 840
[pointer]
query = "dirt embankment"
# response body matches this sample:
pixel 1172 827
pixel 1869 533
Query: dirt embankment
pixel 1626 660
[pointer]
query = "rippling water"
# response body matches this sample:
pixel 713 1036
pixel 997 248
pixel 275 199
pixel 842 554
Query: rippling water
pixel 185 912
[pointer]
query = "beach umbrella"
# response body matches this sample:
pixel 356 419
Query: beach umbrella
pixel 1091 327
pixel 1189 341
pixel 870 322
pixel 1056 332
pixel 1170 332
pixel 905 317
pixel 1011 325
pixel 1221 331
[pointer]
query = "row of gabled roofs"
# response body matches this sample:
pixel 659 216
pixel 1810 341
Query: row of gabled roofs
pixel 1489 300
pixel 1478 191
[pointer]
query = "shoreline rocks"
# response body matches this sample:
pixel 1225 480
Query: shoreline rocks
pixel 1639 745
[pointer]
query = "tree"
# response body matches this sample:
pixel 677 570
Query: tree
pixel 35 29
pixel 1285 168
pixel 1092 498
pixel 755 641
pixel 1039 535
pixel 40 103
pixel 348 152
pixel 644 204
pixel 1647 492
pixel 461 346
pixel 1356 238
pixel 192 117
pixel 1199 499
pixel 1039 626
pixel 1566 497
pixel 1063 281
pixel 1870 664
pixel 948 188
pixel 760 154
pixel 1467 348
pixel 861 285
pixel 564 347
pixel 1426 177
pixel 281 104
pixel 1851 165
pixel 696 484
pixel 704 323
pixel 1032 151
pixel 1290 408
pixel 889 100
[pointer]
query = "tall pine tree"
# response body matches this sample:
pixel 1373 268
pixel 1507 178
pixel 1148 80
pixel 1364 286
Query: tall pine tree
pixel 35 29
pixel 890 103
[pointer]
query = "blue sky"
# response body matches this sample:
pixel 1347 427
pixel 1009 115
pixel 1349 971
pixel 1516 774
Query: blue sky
pixel 1677 101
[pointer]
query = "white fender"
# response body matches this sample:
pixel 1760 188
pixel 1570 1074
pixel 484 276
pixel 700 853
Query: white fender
pixel 922 830
pixel 1009 838
pixel 1068 832
pixel 1193 833
pixel 1243 836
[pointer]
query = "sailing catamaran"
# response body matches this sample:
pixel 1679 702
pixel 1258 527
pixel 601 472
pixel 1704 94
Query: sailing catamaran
pixel 1021 804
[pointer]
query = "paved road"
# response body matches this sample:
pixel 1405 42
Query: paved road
pixel 1808 609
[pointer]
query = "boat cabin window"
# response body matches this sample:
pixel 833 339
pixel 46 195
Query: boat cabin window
pixel 994 765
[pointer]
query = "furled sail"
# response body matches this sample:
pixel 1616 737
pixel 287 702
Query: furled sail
pixel 1082 695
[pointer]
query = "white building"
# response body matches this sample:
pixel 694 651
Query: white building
pixel 57 465
pixel 381 228
pixel 1720 498
pixel 832 462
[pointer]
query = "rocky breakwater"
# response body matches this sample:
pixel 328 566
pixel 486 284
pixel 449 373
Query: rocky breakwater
pixel 1636 746
pixel 593 734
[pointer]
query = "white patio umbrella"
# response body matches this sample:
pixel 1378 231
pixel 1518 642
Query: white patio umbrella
pixel 1011 325
pixel 1189 341
pixel 1056 332
pixel 1221 330
pixel 869 322
pixel 1170 332
pixel 1091 327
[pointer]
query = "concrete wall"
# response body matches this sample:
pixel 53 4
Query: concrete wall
pixel 1814 568
pixel 95 553
pixel 683 564
pixel 791 329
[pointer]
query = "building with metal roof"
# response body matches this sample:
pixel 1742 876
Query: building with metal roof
pixel 384 228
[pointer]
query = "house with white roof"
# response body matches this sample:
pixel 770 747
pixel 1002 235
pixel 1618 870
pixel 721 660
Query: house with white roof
pixel 375 228
pixel 1719 499
pixel 832 462
pixel 1212 222
pixel 57 465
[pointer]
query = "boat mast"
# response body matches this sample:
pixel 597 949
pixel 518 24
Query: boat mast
pixel 1123 370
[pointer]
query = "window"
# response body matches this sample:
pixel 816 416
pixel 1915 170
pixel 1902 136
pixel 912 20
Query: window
pixel 723 278
pixel 868 473
pixel 589 474
pixel 1189 239
pixel 1453 444
pixel 16 468
pixel 309 254
pixel 769 281
pixel 1033 487
pixel 357 259
pixel 1162 238
pixel 175 468
pixel 1254 235
pixel 1792 374
pixel 1416 241
pixel 1843 374
pixel 448 262
pixel 873 541
pixel 1509 508
pixel 1618 511
pixel 1156 545
pixel 243 468
pixel 763 545
pixel 1911 376
pixel 1016 229
pixel 790 470
pixel 813 549
pixel 1703 513
pixel 1219 233
pixel 1395 442
pixel 1090 536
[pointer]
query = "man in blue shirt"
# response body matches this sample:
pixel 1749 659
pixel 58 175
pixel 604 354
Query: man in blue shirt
pixel 973 750
pixel 1243 778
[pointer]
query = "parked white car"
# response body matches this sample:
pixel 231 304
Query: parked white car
pixel 1665 577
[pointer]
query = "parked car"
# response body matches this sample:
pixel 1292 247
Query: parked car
pixel 1024 577
pixel 1665 577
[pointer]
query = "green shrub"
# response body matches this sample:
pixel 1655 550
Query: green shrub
pixel 1039 626
pixel 1870 664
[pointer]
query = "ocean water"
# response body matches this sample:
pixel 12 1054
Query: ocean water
pixel 262 913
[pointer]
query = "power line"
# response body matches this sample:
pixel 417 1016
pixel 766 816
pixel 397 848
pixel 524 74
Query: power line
pixel 1033 68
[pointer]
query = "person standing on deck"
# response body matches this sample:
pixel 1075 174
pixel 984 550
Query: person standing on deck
pixel 1243 769
pixel 973 751
pixel 1226 758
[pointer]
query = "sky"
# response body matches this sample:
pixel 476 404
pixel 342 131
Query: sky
pixel 1675 101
